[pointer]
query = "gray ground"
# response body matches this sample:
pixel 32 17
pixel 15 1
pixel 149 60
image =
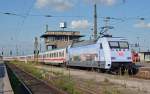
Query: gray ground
pixel 2 73
pixel 5 87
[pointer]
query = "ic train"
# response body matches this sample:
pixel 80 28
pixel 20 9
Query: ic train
pixel 105 54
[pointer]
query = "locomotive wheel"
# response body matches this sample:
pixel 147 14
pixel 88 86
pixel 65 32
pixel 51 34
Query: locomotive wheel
pixel 133 70
pixel 130 72
pixel 103 70
pixel 122 71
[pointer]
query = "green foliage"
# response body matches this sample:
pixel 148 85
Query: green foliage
pixel 106 80
pixel 90 82
pixel 111 91
pixel 66 84
pixel 29 67
pixel 15 83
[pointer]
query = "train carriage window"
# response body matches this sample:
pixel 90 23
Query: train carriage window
pixel 59 54
pixel 49 54
pixel 44 55
pixel 63 54
pixel 54 54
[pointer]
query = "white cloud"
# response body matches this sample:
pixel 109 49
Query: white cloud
pixel 41 3
pixel 142 24
pixel 109 2
pixel 80 24
pixel 59 5
pixel 106 2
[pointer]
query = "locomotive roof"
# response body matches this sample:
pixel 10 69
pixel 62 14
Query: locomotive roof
pixel 116 39
pixel 89 42
pixel 83 43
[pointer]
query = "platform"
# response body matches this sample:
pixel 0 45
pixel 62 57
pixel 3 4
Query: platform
pixel 5 86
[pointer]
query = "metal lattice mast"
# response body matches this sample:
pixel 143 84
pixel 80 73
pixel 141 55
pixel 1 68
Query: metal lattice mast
pixel 95 22
pixel 36 49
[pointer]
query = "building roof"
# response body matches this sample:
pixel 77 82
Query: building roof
pixel 145 52
pixel 62 33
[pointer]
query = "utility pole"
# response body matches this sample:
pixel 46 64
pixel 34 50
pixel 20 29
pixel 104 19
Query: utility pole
pixel 46 47
pixel 36 50
pixel 95 22
pixel 10 52
pixel 138 43
pixel 107 27
pixel 2 52
pixel 46 27
pixel 17 53
pixel 40 49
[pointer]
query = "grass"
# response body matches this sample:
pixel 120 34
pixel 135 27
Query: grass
pixel 106 80
pixel 111 90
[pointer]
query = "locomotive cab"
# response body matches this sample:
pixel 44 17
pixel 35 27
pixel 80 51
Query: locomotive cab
pixel 120 55
pixel 115 54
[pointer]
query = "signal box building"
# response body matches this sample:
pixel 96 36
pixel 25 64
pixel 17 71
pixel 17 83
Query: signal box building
pixel 60 39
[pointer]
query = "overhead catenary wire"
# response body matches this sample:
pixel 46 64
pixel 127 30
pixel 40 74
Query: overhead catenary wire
pixel 71 16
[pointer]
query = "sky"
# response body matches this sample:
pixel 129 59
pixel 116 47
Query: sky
pixel 27 20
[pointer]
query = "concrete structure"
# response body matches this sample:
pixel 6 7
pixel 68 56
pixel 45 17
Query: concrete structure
pixel 60 39
pixel 5 86
pixel 144 56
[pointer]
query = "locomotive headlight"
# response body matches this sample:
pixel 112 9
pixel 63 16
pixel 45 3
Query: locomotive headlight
pixel 128 58
pixel 112 58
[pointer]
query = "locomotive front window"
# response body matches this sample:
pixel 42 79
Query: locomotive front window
pixel 123 44
pixel 114 44
pixel 119 44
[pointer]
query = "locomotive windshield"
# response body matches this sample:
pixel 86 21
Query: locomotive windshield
pixel 118 44
pixel 123 44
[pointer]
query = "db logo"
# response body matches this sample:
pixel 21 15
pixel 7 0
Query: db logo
pixel 120 53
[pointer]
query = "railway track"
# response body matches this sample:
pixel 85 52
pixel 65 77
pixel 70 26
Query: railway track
pixel 36 86
pixel 83 87
pixel 144 73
